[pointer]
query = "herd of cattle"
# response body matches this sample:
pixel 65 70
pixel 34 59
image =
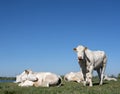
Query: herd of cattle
pixel 88 61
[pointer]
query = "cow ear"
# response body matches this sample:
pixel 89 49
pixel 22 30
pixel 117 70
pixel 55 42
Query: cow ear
pixel 26 71
pixel 74 49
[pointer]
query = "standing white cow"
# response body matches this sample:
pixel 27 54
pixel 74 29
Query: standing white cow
pixel 91 60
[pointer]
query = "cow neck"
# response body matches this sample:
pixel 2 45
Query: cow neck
pixel 86 57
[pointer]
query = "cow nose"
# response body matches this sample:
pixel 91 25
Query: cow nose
pixel 79 58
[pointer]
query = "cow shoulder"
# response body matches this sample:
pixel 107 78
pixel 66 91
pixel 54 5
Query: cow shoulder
pixel 99 54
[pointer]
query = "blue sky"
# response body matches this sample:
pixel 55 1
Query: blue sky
pixel 41 34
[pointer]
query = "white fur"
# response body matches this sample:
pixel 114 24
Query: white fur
pixel 76 77
pixel 26 83
pixel 44 79
pixel 109 78
pixel 91 60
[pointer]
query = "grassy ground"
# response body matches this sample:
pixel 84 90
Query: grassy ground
pixel 109 87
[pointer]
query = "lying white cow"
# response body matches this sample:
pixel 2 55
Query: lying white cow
pixel 109 78
pixel 76 77
pixel 43 79
pixel 91 60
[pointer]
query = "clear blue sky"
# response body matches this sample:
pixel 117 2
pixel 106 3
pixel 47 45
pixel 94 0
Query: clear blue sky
pixel 41 34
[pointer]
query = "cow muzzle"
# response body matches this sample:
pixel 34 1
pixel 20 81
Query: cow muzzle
pixel 80 58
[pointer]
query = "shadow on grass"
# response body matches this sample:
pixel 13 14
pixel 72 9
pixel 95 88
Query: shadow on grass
pixel 95 84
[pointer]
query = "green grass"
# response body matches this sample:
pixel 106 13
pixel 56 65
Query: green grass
pixel 109 87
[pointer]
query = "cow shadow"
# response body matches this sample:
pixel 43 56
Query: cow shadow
pixel 97 83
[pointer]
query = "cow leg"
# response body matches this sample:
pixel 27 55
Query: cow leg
pixel 102 75
pixel 90 76
pixel 103 71
pixel 101 79
pixel 84 82
pixel 84 77
pixel 99 74
pixel 90 80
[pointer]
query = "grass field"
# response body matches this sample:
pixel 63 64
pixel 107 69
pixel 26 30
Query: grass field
pixel 109 87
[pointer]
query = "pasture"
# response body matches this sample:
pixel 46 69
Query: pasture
pixel 109 87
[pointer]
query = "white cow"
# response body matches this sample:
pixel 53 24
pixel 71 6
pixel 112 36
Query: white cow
pixel 109 78
pixel 76 77
pixel 91 60
pixel 43 79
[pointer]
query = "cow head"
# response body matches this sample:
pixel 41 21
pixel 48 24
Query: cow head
pixel 26 75
pixel 31 76
pixel 80 50
pixel 22 77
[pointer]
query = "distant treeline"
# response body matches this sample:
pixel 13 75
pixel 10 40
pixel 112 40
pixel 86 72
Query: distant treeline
pixel 7 78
